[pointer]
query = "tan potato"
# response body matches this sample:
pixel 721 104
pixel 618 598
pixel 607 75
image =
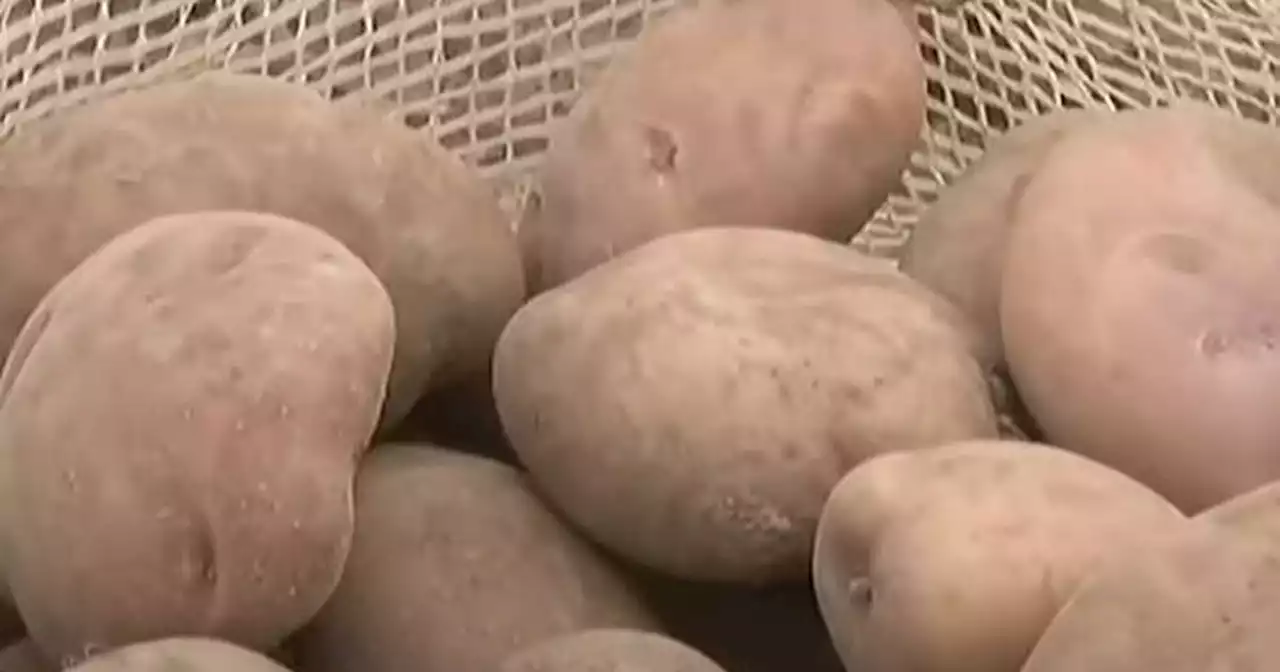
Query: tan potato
pixel 691 403
pixel 1204 599
pixel 181 418
pixel 613 650
pixel 1139 310
pixel 955 558
pixel 456 565
pixel 957 248
pixel 1255 513
pixel 744 113
pixel 428 227
pixel 185 654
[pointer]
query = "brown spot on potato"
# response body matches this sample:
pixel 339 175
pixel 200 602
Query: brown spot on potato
pixel 661 149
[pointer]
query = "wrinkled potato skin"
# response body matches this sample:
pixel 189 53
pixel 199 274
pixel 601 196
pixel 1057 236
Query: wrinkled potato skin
pixel 690 404
pixel 967 550
pixel 456 565
pixel 181 418
pixel 185 654
pixel 1140 314
pixel 787 119
pixel 957 248
pixel 430 230
pixel 610 651
pixel 1203 599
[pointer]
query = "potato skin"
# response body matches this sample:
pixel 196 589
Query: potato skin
pixel 786 119
pixel 1203 599
pixel 1255 513
pixel 182 415
pixel 691 403
pixel 188 654
pixel 1139 314
pixel 612 650
pixel 955 558
pixel 430 230
pixel 456 565
pixel 957 248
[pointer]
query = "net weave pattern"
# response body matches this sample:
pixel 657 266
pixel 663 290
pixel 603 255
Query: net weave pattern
pixel 489 78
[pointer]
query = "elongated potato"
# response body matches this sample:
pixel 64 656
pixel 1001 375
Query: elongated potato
pixel 614 650
pixel 691 403
pixel 181 418
pixel 456 565
pixel 1205 599
pixel 957 248
pixel 743 113
pixel 188 654
pixel 1139 309
pixel 955 558
pixel 429 228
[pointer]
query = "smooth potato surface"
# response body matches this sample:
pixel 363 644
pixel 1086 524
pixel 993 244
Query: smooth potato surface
pixel 745 113
pixel 1204 599
pixel 180 654
pixel 456 565
pixel 955 558
pixel 690 404
pixel 181 417
pixel 430 230
pixel 613 650
pixel 957 248
pixel 1139 309
pixel 1255 513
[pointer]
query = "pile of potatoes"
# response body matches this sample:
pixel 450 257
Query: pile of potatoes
pixel 286 390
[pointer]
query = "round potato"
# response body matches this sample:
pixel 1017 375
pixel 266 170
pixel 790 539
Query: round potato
pixel 181 418
pixel 456 565
pixel 610 651
pixel 955 558
pixel 188 654
pixel 431 231
pixel 691 403
pixel 1139 310
pixel 1204 599
pixel 957 248
pixel 746 113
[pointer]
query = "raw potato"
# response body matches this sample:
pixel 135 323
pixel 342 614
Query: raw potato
pixel 732 113
pixel 610 651
pixel 955 558
pixel 1203 600
pixel 430 230
pixel 180 654
pixel 691 403
pixel 456 565
pixel 181 418
pixel 957 248
pixel 1255 513
pixel 1139 310
pixel 24 656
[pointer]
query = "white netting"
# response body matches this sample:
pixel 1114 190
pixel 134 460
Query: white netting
pixel 488 77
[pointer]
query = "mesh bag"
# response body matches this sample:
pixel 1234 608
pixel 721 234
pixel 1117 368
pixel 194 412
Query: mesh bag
pixel 488 78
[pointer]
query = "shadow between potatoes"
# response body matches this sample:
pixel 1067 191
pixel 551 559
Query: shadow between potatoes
pixel 462 416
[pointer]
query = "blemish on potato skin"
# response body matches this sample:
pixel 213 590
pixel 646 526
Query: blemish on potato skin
pixel 660 149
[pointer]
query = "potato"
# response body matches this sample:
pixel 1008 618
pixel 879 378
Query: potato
pixel 24 656
pixel 957 247
pixel 1203 600
pixel 610 650
pixel 430 230
pixel 1255 513
pixel 1139 310
pixel 690 403
pixel 955 558
pixel 744 113
pixel 188 654
pixel 181 418
pixel 456 565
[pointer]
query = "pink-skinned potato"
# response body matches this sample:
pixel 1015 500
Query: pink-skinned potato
pixel 690 404
pixel 424 223
pixel 743 113
pixel 456 565
pixel 180 654
pixel 955 558
pixel 194 475
pixel 1138 307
